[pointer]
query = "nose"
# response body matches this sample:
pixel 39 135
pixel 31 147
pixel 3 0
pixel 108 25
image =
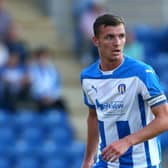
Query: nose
pixel 117 41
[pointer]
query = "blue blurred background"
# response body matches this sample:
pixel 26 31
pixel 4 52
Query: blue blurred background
pixel 43 47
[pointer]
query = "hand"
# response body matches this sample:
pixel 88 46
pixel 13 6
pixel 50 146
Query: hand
pixel 115 150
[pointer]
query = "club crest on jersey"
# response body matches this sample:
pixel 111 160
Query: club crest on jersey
pixel 121 88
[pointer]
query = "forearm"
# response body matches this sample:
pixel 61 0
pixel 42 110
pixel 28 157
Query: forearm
pixel 155 127
pixel 92 138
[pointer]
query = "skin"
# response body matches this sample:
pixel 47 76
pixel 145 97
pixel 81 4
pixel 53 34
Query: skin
pixel 92 139
pixel 110 42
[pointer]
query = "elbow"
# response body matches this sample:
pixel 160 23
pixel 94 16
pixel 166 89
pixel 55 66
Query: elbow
pixel 165 119
pixel 164 123
pixel 161 114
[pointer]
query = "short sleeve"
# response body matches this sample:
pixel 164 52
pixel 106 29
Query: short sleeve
pixel 151 89
pixel 87 100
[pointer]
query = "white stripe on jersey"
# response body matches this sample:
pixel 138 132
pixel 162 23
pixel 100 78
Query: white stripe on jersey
pixel 122 101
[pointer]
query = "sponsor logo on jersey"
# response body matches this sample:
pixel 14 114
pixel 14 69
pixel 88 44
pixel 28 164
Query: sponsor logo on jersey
pixel 121 88
pixel 113 106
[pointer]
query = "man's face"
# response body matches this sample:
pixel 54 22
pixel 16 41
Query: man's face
pixel 110 42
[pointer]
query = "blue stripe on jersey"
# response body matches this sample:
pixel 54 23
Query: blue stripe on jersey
pixel 143 119
pixel 142 110
pixel 156 166
pixel 137 69
pixel 103 144
pixel 126 160
pixel 87 103
pixel 102 135
pixel 124 71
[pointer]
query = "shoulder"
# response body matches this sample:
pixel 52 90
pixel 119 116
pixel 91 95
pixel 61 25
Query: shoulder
pixel 91 71
pixel 134 62
pixel 144 72
pixel 137 67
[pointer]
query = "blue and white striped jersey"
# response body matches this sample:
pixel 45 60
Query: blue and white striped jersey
pixel 123 101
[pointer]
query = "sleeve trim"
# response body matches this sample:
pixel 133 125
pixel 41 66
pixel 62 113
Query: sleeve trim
pixel 157 100
pixel 157 104
pixel 90 106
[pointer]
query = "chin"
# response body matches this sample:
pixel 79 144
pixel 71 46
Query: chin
pixel 117 56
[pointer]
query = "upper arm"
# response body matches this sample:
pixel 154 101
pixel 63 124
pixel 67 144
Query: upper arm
pixel 92 117
pixel 161 115
pixel 93 123
pixel 161 110
pixel 92 113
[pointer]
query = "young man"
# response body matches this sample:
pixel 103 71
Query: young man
pixel 127 106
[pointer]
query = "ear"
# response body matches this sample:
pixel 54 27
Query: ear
pixel 95 41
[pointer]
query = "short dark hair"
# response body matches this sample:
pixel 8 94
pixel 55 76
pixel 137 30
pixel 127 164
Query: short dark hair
pixel 106 20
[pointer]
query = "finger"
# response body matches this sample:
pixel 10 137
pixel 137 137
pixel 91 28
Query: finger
pixel 108 158
pixel 104 151
pixel 113 158
pixel 107 154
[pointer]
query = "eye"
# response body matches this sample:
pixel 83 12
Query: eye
pixel 121 35
pixel 109 37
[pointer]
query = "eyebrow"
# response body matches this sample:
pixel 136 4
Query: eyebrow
pixel 112 35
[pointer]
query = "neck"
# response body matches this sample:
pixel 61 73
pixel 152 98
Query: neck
pixel 108 65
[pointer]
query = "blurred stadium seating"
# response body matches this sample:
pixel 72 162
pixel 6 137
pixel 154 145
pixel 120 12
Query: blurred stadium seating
pixel 28 139
pixel 156 52
pixel 33 140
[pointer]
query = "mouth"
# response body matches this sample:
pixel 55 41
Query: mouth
pixel 116 51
